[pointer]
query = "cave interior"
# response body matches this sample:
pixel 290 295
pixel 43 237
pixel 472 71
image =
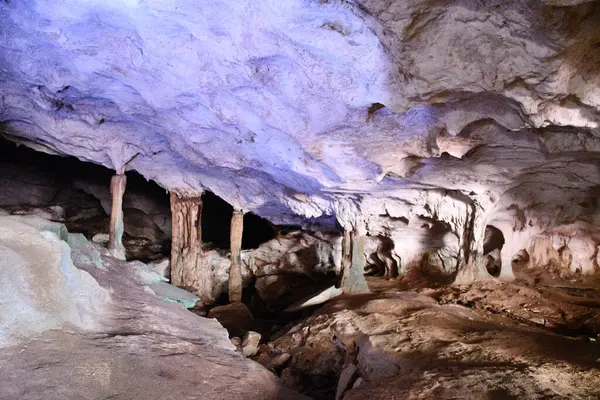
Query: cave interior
pixel 299 199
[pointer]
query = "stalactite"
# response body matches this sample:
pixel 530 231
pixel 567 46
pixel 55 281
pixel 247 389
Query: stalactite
pixel 116 226
pixel 235 273
pixel 187 268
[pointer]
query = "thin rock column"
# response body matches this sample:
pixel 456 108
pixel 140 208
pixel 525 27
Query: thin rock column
pixel 116 225
pixel 187 270
pixel 353 267
pixel 235 273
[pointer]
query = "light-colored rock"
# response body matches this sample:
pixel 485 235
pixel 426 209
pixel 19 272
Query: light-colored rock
pixel 57 326
pixel 237 342
pixel 571 248
pixel 319 298
pixel 280 359
pixel 250 344
pixel 41 288
pixel 161 266
pixel 268 107
pixel 100 238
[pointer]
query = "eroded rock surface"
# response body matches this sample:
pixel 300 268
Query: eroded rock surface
pixel 417 345
pixel 375 112
pixel 138 346
pixel 79 195
pixel 41 288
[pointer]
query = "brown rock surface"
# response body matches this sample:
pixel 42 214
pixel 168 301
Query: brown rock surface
pixel 234 317
pixel 410 345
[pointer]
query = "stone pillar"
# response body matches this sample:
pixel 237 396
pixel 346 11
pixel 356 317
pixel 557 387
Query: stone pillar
pixel 346 262
pixel 187 270
pixel 235 273
pixel 353 279
pixel 472 266
pixel 116 227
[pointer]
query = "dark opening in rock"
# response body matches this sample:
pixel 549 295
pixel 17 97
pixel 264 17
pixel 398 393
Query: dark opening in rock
pixel 77 193
pixel 216 220
pixel 492 246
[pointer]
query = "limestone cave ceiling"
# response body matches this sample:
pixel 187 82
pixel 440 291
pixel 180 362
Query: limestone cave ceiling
pixel 276 106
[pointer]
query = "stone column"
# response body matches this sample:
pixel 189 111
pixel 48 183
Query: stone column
pixel 235 273
pixel 346 258
pixel 472 265
pixel 187 270
pixel 353 267
pixel 116 227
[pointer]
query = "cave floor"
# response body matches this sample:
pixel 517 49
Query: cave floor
pixel 488 340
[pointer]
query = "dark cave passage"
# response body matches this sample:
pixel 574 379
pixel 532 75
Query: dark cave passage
pixel 216 219
pixel 492 246
pixel 33 179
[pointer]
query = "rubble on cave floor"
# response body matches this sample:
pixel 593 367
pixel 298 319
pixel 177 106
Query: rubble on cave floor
pixel 486 340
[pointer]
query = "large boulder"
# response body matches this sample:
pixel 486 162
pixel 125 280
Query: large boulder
pixel 40 288
pixel 235 317
pixel 62 339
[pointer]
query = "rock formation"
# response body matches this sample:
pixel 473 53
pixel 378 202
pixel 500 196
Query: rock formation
pixel 80 324
pixel 483 124
pixel 116 227
pixel 390 144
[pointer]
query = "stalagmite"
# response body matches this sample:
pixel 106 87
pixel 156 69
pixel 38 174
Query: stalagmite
pixel 116 228
pixel 235 273
pixel 187 270
pixel 353 261
pixel 472 265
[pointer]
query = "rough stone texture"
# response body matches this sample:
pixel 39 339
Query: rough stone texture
pixel 135 199
pixel 430 345
pixel 347 377
pixel 235 317
pixel 353 280
pixel 116 225
pixel 162 267
pixel 26 186
pixel 34 182
pixel 235 269
pixel 567 250
pixel 250 344
pixel 490 117
pixel 41 289
pixel 187 269
pixel 298 260
pixel 139 347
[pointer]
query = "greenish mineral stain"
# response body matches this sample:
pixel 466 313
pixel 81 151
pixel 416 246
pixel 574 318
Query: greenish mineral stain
pixel 186 303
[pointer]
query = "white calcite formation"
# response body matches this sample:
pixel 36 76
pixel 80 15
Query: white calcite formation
pixel 490 118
